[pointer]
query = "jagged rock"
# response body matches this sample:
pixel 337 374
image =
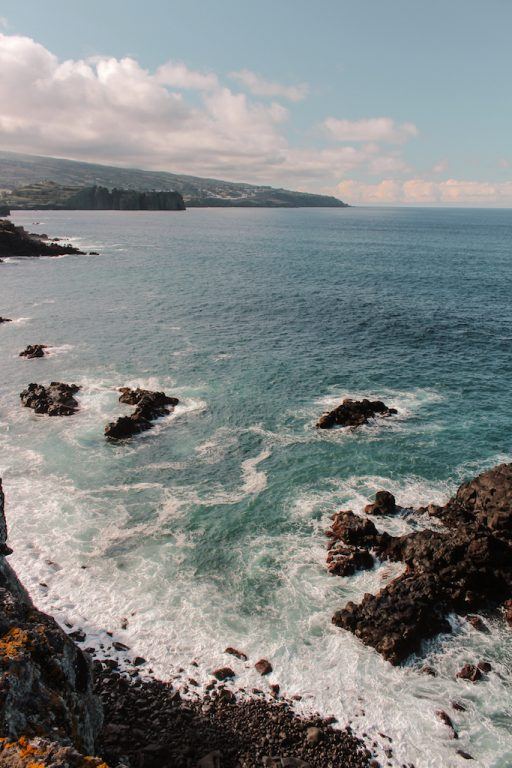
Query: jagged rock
pixel 16 241
pixel 508 611
pixel 344 561
pixel 384 504
pixel 461 568
pixel 149 406
pixel 5 320
pixel 43 753
pixel 34 350
pixel 55 400
pixel 354 413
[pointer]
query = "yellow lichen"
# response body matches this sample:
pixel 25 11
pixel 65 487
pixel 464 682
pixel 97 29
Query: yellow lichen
pixel 14 643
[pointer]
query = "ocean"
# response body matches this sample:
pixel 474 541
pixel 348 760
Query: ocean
pixel 209 530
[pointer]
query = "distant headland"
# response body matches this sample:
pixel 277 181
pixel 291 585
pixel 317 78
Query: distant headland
pixel 35 182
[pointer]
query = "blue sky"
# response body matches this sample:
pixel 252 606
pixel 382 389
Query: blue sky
pixel 378 101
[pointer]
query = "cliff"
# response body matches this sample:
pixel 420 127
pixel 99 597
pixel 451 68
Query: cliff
pixel 51 196
pixel 48 710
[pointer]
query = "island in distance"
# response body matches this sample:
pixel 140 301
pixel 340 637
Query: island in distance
pixel 35 182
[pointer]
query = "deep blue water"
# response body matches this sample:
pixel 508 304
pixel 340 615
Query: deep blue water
pixel 209 529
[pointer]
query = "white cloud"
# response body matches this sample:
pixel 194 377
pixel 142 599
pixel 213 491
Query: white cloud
pixel 380 129
pixel 440 167
pixel 178 75
pixel 258 86
pixel 3 22
pixel 423 191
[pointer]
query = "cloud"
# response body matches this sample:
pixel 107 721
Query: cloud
pixel 260 87
pixel 379 129
pixel 440 167
pixel 3 22
pixel 423 191
pixel 178 75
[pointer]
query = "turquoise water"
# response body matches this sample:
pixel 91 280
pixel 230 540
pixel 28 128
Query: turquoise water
pixel 208 530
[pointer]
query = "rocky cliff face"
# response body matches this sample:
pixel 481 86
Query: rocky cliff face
pixel 16 241
pixel 48 711
pixel 102 199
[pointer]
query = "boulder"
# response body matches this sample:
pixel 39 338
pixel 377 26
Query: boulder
pixel 5 320
pixel 384 504
pixel 354 413
pixel 263 666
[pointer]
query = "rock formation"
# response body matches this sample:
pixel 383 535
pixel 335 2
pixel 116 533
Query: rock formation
pixel 47 704
pixel 34 350
pixel 465 566
pixel 55 400
pixel 354 413
pixel 149 406
pixel 5 320
pixel 16 241
pixel 103 199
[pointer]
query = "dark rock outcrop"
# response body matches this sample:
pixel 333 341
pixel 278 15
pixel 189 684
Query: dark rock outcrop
pixel 148 407
pixel 384 504
pixel 56 400
pixel 46 696
pixel 461 568
pixel 354 413
pixel 16 241
pixel 103 199
pixel 34 350
pixel 5 320
pixel 4 210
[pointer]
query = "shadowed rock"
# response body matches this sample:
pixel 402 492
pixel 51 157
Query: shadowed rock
pixel 55 400
pixel 354 413
pixel 16 241
pixel 149 406
pixel 34 350
pixel 461 568
pixel 5 320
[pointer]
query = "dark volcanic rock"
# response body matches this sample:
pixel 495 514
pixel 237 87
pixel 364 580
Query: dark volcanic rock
pixel 384 504
pixel 224 673
pixel 16 241
pixel 461 568
pixel 149 406
pixel 5 320
pixel 55 400
pixel 235 652
pixel 470 672
pixel 354 413
pixel 34 350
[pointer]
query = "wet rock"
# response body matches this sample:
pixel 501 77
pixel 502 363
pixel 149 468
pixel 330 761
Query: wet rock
pixel 427 670
pixel 477 623
pixel 458 706
pixel 235 652
pixel 34 350
pixel 508 611
pixel 223 673
pixel 466 565
pixel 120 646
pixel 263 666
pixel 78 635
pixel 344 561
pixel 5 320
pixel 16 241
pixel 55 400
pixel 469 672
pixel 354 413
pixel 446 719
pixel 149 406
pixel 384 504
pixel 484 667
pixel 465 755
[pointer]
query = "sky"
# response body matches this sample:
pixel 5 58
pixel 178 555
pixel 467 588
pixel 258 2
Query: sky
pixel 374 101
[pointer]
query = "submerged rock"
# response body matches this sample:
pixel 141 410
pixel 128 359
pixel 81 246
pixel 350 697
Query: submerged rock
pixel 354 413
pixel 34 350
pixel 149 406
pixel 461 568
pixel 5 320
pixel 55 400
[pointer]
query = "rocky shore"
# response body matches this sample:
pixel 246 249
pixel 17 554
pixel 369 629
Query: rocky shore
pixel 464 567
pixel 59 709
pixel 16 241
